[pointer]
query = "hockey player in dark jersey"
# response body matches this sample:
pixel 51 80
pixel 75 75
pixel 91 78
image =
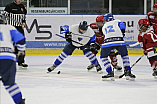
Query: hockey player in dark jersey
pixel 97 28
pixel 9 34
pixel 84 35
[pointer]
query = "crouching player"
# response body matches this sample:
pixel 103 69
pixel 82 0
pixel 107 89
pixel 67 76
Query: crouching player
pixel 148 41
pixel 79 36
pixel 8 35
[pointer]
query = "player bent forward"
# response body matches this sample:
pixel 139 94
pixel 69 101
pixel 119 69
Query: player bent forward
pixel 148 43
pixel 8 35
pixel 97 28
pixel 114 40
pixel 80 33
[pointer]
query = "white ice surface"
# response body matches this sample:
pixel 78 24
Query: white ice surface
pixel 75 85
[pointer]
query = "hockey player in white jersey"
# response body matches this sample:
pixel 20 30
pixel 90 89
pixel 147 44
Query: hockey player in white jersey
pixel 8 35
pixel 114 31
pixel 79 36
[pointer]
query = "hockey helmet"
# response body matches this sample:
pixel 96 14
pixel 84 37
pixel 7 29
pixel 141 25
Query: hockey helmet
pixel 143 24
pixel 108 17
pixel 83 25
pixel 155 5
pixel 100 18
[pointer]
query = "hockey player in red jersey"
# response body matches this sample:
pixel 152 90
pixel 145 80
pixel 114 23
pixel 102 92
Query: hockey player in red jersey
pixel 148 41
pixel 97 28
pixel 152 16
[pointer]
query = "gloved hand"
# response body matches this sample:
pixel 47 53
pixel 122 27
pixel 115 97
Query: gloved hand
pixel 94 47
pixel 68 37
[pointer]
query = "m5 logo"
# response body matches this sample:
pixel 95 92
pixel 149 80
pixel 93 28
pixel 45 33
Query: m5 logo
pixel 38 29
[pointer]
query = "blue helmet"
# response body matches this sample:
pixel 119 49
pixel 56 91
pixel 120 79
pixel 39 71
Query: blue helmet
pixel 108 17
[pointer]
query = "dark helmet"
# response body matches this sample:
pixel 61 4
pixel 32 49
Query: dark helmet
pixel 83 25
pixel 2 19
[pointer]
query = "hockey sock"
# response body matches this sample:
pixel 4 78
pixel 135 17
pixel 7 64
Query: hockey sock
pixel 60 58
pixel 91 57
pixel 14 92
pixel 107 65
pixel 126 62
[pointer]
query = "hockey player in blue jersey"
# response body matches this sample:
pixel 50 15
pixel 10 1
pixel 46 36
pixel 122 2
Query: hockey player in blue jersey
pixel 8 35
pixel 83 34
pixel 114 31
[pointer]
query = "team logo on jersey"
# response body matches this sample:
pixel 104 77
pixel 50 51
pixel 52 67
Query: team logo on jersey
pixel 152 17
pixel 21 9
pixel 79 39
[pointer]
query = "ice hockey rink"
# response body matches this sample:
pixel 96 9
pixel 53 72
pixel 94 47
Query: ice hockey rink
pixel 75 85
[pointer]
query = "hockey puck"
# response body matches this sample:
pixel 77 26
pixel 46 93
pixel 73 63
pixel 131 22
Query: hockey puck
pixel 58 72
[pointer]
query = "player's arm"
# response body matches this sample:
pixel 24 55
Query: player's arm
pixel 19 39
pixel 94 46
pixel 65 30
pixel 122 27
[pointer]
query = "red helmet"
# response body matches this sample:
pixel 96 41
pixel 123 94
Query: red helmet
pixel 155 5
pixel 100 18
pixel 144 22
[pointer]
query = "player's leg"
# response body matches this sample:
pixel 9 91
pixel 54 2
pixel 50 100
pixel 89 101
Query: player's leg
pixel 104 57
pixel 153 62
pixel 92 58
pixel 21 59
pixel 125 58
pixel 68 50
pixel 91 65
pixel 8 71
pixel 114 63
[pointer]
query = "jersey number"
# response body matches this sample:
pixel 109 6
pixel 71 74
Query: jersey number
pixel 1 37
pixel 109 29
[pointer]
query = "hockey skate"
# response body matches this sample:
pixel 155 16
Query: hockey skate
pixel 22 66
pixel 154 73
pixel 129 75
pixel 99 69
pixel 22 101
pixel 108 77
pixel 90 67
pixel 119 68
pixel 51 68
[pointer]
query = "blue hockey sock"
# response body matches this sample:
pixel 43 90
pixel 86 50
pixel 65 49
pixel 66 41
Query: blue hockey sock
pixel 14 92
pixel 60 58
pixel 91 57
pixel 107 64
pixel 126 62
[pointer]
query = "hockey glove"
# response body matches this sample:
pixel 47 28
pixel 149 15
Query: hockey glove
pixel 68 37
pixel 94 47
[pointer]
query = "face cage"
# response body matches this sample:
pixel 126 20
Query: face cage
pixel 140 27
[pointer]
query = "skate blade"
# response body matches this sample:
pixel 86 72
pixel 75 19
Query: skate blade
pixel 155 77
pixel 20 67
pixel 108 79
pixel 100 72
pixel 130 78
pixel 119 70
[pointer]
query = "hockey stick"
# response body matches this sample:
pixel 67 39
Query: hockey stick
pixel 133 65
pixel 71 40
pixel 133 45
